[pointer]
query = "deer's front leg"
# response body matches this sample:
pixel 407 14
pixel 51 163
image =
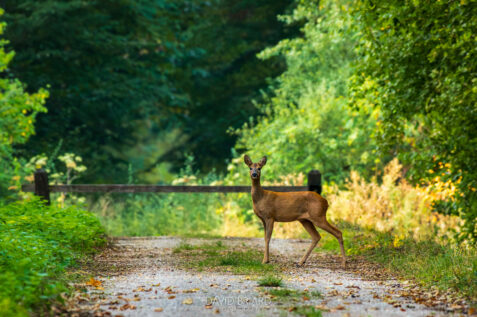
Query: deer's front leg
pixel 268 235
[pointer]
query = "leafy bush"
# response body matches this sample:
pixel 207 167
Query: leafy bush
pixel 418 67
pixel 392 205
pixel 18 111
pixel 37 244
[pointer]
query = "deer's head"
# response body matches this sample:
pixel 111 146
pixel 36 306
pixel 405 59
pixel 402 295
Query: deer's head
pixel 255 168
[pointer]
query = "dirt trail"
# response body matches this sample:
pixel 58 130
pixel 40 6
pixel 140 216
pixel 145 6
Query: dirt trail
pixel 144 277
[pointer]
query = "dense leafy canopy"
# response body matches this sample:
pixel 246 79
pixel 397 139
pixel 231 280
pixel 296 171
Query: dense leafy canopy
pixel 307 122
pixel 127 73
pixel 228 75
pixel 108 65
pixel 418 66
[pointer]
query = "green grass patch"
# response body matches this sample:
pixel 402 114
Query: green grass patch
pixel 271 281
pixel 217 256
pixel 238 262
pixel 37 244
pixel 286 293
pixel 307 311
pixel 427 262
pixel 206 247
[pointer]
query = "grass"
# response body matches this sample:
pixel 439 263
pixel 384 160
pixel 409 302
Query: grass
pixel 37 244
pixel 217 256
pixel 307 311
pixel 427 262
pixel 286 293
pixel 270 281
pixel 206 248
pixel 238 262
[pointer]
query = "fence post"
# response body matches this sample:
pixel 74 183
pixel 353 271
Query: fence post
pixel 42 188
pixel 314 181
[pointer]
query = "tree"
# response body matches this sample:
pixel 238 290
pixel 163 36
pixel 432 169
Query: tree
pixel 307 122
pixel 418 66
pixel 108 65
pixel 224 79
pixel 18 111
pixel 124 74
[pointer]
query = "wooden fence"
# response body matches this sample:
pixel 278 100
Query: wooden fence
pixel 42 188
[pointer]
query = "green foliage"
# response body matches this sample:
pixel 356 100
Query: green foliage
pixel 18 111
pixel 37 244
pixel 156 214
pixel 418 64
pixel 307 311
pixel 109 65
pixel 135 71
pixel 280 294
pixel 270 281
pixel 227 76
pixel 307 123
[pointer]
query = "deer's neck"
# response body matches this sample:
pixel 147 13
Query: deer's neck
pixel 257 190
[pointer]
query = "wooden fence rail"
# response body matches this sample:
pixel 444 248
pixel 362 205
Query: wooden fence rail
pixel 43 189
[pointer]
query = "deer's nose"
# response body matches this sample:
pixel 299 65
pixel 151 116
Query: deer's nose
pixel 254 174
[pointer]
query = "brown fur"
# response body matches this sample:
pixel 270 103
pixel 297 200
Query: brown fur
pixel 307 207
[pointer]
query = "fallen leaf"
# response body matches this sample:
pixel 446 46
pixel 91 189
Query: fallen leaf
pixel 158 310
pixel 340 307
pixel 322 307
pixel 171 297
pixel 127 306
pixel 217 311
pixel 93 282
pixel 187 301
pixel 208 306
pixel 306 298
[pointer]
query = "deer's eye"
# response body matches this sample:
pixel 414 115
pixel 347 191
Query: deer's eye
pixel 250 168
pixel 259 168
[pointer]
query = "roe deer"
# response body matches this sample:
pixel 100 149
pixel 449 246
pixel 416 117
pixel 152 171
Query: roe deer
pixel 307 207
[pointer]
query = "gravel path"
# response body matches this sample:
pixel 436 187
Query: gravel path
pixel 144 277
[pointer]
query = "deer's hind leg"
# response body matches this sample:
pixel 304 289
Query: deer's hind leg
pixel 322 223
pixel 315 238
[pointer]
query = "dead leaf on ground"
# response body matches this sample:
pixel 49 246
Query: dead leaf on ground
pixel 158 310
pixel 93 282
pixel 127 306
pixel 187 301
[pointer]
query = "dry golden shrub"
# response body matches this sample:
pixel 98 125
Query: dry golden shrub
pixel 393 205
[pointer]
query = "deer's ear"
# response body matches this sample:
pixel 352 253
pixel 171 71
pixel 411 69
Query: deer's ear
pixel 263 161
pixel 247 160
